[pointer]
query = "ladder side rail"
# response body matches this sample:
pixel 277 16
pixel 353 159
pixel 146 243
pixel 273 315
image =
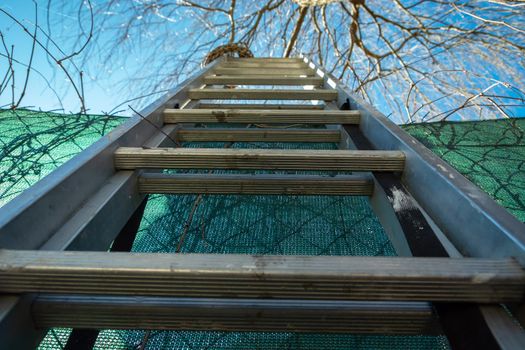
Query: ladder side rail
pixel 380 203
pixel 432 181
pixel 493 330
pixel 32 220
pixel 499 330
pixel 95 225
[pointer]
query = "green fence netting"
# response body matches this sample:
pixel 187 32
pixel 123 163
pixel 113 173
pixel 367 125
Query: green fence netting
pixel 490 153
pixel 34 143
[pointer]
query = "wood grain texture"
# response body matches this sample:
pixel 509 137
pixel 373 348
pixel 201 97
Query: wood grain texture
pixel 255 184
pixel 262 94
pixel 293 72
pixel 254 276
pixel 261 80
pixel 304 106
pixel 270 116
pixel 274 159
pixel 257 135
pixel 267 64
pixel 265 59
pixel 110 312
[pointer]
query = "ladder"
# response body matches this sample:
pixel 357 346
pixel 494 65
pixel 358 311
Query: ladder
pixel 460 255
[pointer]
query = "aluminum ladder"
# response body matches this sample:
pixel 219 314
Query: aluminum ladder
pixel 461 255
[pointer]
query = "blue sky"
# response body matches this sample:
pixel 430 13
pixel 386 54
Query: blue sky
pixel 108 84
pixel 98 92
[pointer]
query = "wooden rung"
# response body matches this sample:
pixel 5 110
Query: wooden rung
pixel 261 80
pixel 255 184
pixel 110 312
pixel 270 116
pixel 305 106
pixel 257 135
pixel 293 72
pixel 271 159
pixel 267 64
pixel 263 276
pixel 263 94
pixel 265 59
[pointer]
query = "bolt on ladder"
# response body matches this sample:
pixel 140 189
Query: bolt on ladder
pixel 460 257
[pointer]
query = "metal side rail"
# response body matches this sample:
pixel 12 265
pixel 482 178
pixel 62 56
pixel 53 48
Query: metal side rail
pixel 484 228
pixel 463 220
pixel 83 204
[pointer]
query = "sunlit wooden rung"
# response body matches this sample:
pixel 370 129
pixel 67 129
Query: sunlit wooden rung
pixel 261 116
pixel 264 71
pixel 261 80
pixel 269 60
pixel 304 106
pixel 269 159
pixel 263 94
pixel 252 64
pixel 257 135
pixel 263 276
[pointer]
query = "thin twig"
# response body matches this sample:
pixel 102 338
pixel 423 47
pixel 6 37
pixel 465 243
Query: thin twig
pixel 155 126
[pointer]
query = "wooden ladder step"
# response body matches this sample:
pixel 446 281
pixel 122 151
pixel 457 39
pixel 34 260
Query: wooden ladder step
pixel 270 116
pixel 304 106
pixel 270 159
pixel 293 72
pixel 263 94
pixel 257 135
pixel 261 80
pixel 255 184
pixel 267 64
pixel 267 276
pixel 265 59
pixel 110 312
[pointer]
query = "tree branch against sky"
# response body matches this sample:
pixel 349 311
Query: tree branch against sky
pixel 415 60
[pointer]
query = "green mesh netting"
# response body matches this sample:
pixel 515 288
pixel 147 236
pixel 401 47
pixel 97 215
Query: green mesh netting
pixel 489 153
pixel 34 143
pixel 262 224
pixel 132 340
pixel 313 225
